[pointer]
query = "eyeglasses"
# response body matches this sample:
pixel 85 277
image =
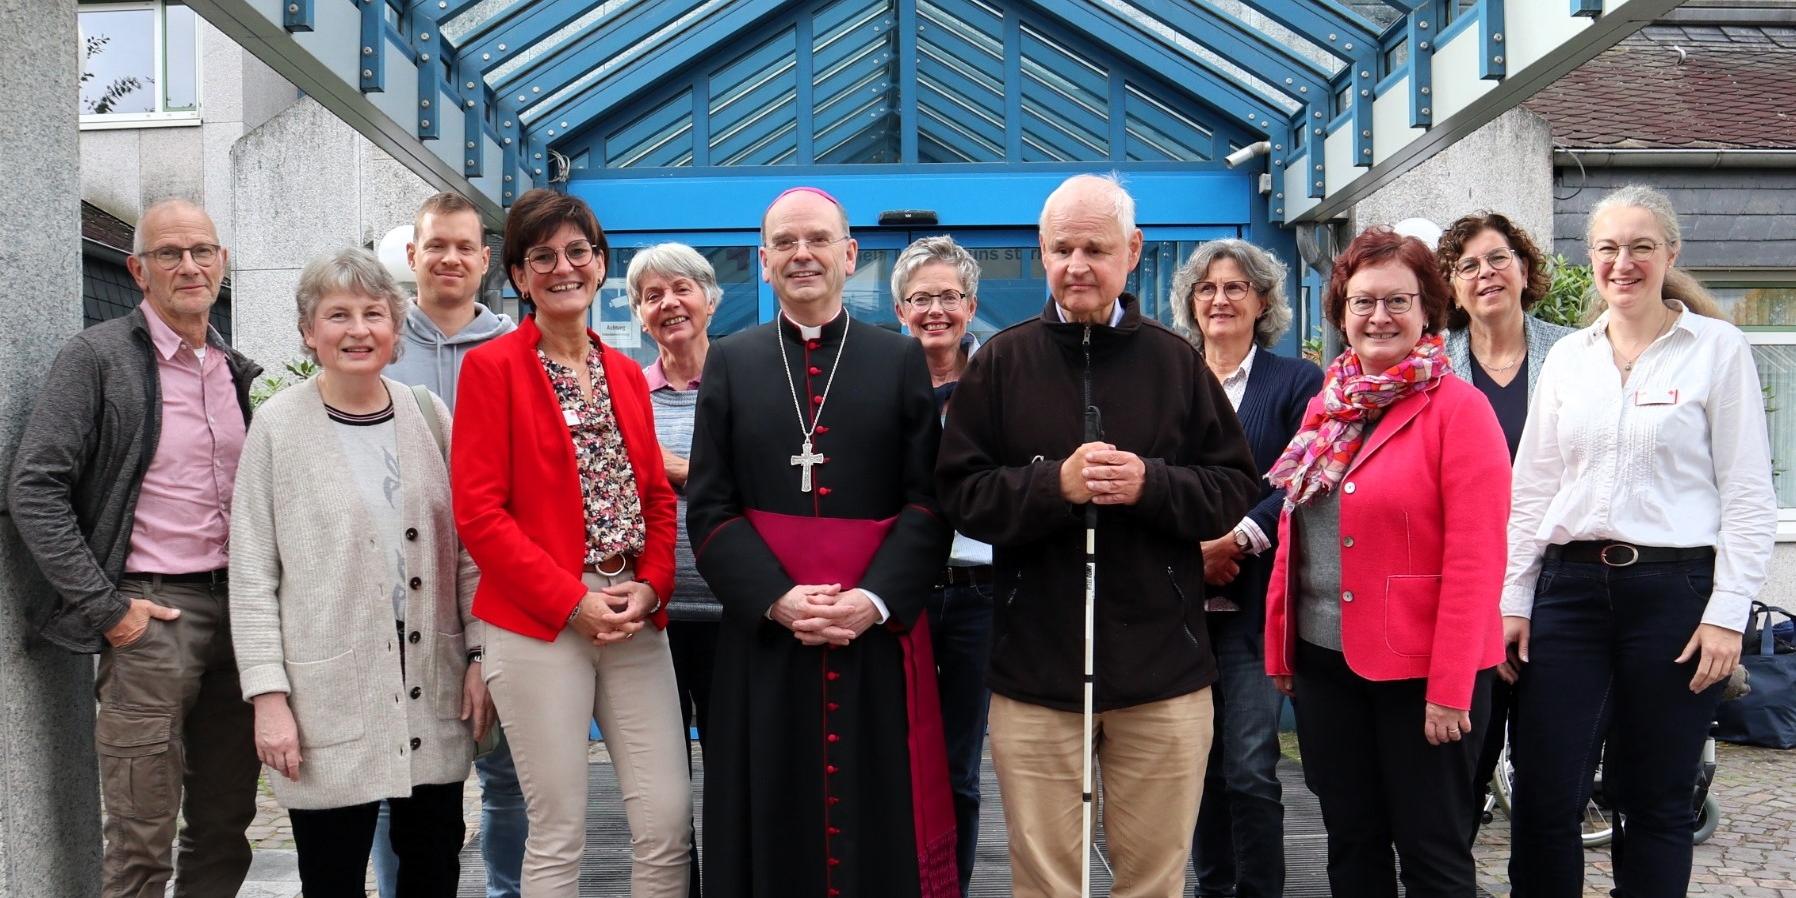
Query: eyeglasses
pixel 1639 250
pixel 542 260
pixel 168 258
pixel 1468 267
pixel 950 300
pixel 1234 290
pixel 1396 303
pixel 783 245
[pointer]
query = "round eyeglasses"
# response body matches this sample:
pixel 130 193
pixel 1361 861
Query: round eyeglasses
pixel 168 258
pixel 542 260
pixel 950 300
pixel 1468 267
pixel 1396 303
pixel 1235 291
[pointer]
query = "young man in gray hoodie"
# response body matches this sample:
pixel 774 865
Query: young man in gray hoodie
pixel 449 255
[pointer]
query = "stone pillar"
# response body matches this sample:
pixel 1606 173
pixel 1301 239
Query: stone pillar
pixel 49 781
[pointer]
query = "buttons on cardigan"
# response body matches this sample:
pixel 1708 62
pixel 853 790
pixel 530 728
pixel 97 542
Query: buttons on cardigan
pixel 1347 595
pixel 411 533
pixel 416 742
pixel 1347 541
pixel 1349 487
pixel 417 691
pixel 417 582
pixel 413 639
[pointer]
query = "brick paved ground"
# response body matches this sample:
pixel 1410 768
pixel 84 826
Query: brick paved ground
pixel 1752 855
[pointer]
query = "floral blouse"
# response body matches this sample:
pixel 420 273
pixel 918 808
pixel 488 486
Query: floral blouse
pixel 614 524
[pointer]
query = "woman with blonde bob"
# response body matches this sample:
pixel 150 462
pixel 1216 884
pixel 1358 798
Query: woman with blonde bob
pixel 351 598
pixel 1643 524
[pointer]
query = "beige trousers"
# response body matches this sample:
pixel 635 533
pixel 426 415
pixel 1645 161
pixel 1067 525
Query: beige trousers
pixel 546 693
pixel 1153 758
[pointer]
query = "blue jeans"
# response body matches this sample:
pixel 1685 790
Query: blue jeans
pixel 1238 848
pixel 503 828
pixel 960 631
pixel 1600 666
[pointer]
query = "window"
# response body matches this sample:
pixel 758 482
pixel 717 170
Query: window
pixel 139 64
pixel 1765 308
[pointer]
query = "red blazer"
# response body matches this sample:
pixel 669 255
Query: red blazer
pixel 517 492
pixel 1426 505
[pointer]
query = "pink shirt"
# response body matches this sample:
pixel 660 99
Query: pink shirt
pixel 183 523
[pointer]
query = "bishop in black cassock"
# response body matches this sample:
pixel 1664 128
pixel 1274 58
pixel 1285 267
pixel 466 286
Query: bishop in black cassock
pixel 825 774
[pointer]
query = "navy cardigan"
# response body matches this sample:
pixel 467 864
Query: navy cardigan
pixel 1278 390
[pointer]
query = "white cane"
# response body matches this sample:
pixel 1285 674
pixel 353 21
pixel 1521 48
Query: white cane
pixel 1093 432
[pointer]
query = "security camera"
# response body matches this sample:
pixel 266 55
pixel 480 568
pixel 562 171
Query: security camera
pixel 1247 153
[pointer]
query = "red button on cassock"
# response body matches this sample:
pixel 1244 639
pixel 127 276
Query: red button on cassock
pixel 833 706
pixel 816 400
pixel 830 769
pixel 822 428
pixel 833 862
pixel 823 491
pixel 833 737
pixel 834 831
pixel 832 676
pixel 812 344
pixel 816 370
pixel 834 892
pixel 832 801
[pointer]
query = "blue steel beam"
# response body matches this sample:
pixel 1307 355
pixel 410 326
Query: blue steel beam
pixel 1296 77
pixel 1491 65
pixel 574 58
pixel 1326 23
pixel 1232 97
pixel 1588 9
pixel 297 15
pixel 1422 25
pixel 504 36
pixel 691 43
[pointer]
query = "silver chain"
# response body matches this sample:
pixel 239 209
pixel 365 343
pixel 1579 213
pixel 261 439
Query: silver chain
pixel 786 368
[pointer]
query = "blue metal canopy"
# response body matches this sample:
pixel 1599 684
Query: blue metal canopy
pixel 492 97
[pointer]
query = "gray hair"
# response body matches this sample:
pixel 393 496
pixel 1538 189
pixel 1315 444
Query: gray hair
pixel 139 241
pixel 1679 286
pixel 670 260
pixel 1111 183
pixel 355 271
pixel 930 251
pixel 1264 272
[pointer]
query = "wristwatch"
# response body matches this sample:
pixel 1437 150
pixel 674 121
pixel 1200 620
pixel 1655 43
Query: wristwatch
pixel 475 654
pixel 1241 540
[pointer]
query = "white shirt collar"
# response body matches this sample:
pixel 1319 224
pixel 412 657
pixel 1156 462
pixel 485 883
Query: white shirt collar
pixel 1116 312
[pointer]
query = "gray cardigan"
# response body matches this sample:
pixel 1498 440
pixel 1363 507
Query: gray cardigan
pixel 311 615
pixel 80 463
pixel 1541 335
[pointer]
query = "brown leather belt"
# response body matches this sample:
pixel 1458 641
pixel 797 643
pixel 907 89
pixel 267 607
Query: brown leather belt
pixel 612 567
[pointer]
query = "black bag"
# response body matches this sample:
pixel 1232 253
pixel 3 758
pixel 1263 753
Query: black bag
pixel 1767 715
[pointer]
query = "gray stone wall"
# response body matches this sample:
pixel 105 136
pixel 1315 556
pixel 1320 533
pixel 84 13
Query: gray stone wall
pixel 304 184
pixel 1505 166
pixel 1731 217
pixel 125 170
pixel 49 783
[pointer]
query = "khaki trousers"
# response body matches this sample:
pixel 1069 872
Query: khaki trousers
pixel 175 740
pixel 546 693
pixel 1153 758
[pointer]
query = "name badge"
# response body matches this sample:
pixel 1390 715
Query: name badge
pixel 1655 397
pixel 571 417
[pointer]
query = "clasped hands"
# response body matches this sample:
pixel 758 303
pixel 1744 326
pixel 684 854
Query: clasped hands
pixel 615 612
pixel 824 614
pixel 1102 474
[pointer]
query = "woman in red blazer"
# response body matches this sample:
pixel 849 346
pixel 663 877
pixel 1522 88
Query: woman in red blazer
pixel 1381 618
pixel 561 499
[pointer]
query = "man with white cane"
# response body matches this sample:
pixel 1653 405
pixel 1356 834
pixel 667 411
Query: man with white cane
pixel 1164 466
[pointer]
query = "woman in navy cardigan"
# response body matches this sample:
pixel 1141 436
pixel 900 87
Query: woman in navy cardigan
pixel 1229 299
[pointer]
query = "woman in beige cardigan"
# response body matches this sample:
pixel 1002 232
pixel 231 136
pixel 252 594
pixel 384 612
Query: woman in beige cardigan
pixel 351 596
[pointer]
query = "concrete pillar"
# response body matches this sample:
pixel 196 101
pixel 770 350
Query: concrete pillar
pixel 49 781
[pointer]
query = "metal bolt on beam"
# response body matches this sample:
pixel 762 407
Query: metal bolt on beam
pixel 507 123
pixel 470 162
pixel 564 124
pixel 1365 132
pixel 293 7
pixel 1362 73
pixel 470 144
pixel 424 124
pixel 536 88
pixel 1318 132
pixel 486 57
pixel 508 179
pixel 1422 24
pixel 423 35
pixel 1426 90
pixel 1498 59
pixel 1365 93
pixel 1303 89
pixel 1497 38
pixel 1427 111
pixel 1331 36
pixel 1423 45
pixel 470 85
pixel 470 104
pixel 501 48
pixel 1348 46
pixel 507 141
pixel 367 73
pixel 423 57
pixel 424 104
pixel 367 51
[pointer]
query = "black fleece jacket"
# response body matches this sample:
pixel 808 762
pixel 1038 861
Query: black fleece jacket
pixel 1016 416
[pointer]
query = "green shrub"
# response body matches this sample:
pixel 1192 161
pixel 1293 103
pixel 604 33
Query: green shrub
pixel 1569 295
pixel 297 370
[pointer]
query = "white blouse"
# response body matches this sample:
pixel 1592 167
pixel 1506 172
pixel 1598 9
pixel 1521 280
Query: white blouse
pixel 1678 457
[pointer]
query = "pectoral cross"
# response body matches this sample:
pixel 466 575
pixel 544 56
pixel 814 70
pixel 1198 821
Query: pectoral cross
pixel 806 459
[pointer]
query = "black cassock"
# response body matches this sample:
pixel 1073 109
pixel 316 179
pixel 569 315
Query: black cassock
pixel 808 783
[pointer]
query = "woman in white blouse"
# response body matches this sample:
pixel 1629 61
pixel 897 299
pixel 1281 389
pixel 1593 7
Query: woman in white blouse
pixel 1642 526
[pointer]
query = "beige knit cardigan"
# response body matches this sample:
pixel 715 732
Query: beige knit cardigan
pixel 312 615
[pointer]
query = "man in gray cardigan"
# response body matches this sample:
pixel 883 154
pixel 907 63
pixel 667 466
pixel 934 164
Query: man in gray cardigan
pixel 121 489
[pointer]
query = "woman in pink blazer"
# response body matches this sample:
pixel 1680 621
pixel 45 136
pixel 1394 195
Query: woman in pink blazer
pixel 1381 618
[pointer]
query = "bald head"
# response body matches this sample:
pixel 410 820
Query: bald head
pixel 1091 194
pixel 806 198
pixel 161 213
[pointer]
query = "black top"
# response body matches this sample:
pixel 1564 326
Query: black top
pixel 1509 402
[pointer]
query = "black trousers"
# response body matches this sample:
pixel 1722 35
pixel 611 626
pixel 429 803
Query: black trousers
pixel 427 833
pixel 1600 667
pixel 1381 784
